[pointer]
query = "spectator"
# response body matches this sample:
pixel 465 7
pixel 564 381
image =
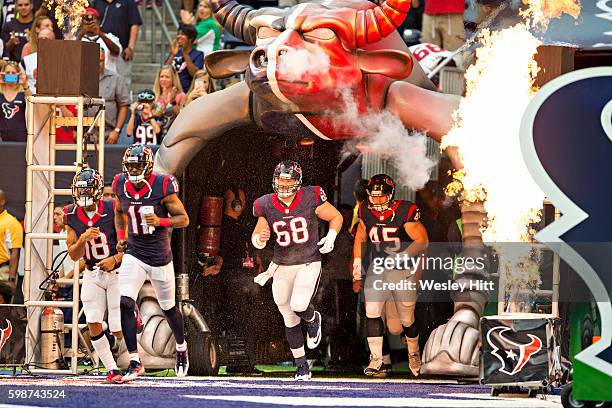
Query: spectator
pixel 443 23
pixel 15 33
pixel 90 31
pixel 201 85
pixel 13 91
pixel 239 294
pixel 121 18
pixel 485 8
pixel 208 38
pixel 185 59
pixel 30 61
pixel 6 293
pixel 40 23
pixel 108 194
pixel 12 241
pixel 169 97
pixel 47 9
pixel 117 100
pixel 65 134
pixel 143 126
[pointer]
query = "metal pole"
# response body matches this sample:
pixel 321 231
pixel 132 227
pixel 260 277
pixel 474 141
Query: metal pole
pixel 51 178
pixel 556 276
pixel 153 31
pixel 79 135
pixel 28 220
pixel 101 125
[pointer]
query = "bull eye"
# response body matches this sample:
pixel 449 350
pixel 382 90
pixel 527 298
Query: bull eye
pixel 267 32
pixel 320 34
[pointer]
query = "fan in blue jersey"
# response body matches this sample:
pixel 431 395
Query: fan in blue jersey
pixel 292 212
pixel 90 224
pixel 147 207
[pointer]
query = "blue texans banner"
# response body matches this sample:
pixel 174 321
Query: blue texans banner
pixel 566 139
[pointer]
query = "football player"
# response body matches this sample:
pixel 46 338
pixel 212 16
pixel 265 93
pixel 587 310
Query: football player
pixel 147 206
pixel 90 226
pixel 389 224
pixel 292 212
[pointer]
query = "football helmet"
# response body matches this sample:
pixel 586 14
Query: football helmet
pixel 137 162
pixel 287 170
pixel 378 186
pixel 87 187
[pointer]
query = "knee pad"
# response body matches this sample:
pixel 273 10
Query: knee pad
pixel 127 304
pixel 374 327
pixel 411 331
pixel 374 309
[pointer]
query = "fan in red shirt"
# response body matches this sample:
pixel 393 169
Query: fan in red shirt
pixel 65 134
pixel 443 23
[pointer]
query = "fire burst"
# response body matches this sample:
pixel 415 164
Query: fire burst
pixel 499 86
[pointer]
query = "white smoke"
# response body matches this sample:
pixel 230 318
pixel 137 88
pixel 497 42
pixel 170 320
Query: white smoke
pixel 386 135
pixel 294 64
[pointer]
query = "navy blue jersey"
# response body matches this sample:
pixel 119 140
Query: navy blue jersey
pixel 387 228
pixel 143 131
pixel 294 228
pixel 149 244
pixel 104 218
pixel 12 118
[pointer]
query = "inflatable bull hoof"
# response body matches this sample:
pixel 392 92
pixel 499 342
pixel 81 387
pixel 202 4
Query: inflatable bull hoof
pixel 452 349
pixel 156 344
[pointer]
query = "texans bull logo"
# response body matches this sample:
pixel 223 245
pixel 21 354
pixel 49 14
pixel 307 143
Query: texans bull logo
pixel 5 333
pixel 512 355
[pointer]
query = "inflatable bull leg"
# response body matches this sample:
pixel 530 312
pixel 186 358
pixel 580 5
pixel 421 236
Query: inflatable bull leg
pixel 204 119
pixel 452 348
pixel 156 343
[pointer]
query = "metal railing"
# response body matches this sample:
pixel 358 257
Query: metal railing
pixel 156 15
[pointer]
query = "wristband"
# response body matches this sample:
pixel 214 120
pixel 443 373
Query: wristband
pixel 257 243
pixel 120 235
pixel 164 222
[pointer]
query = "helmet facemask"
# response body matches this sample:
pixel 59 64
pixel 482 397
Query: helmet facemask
pixel 285 190
pixel 139 169
pixel 87 192
pixel 379 206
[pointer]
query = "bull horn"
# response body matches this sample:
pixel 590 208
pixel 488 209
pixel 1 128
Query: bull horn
pixel 374 24
pixel 235 18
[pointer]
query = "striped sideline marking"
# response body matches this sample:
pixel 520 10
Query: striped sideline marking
pixel 469 402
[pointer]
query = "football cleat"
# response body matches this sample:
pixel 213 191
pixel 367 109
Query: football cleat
pixel 182 363
pixel 414 363
pixel 375 368
pixel 134 370
pixel 303 372
pixel 114 377
pixel 313 335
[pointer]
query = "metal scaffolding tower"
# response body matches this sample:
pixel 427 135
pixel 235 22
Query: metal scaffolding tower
pixel 42 119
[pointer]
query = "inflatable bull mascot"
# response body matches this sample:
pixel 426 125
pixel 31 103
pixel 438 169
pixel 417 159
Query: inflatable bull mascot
pixel 366 59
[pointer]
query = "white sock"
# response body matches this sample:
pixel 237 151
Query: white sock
pixel 181 347
pixel 387 359
pixel 102 347
pixel 413 344
pixel 134 357
pixel 376 345
pixel 298 352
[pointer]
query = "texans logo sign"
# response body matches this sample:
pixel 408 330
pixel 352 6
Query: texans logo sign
pixel 5 333
pixel 566 140
pixel 512 355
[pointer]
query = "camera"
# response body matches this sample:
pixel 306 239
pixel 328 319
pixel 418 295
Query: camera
pixel 140 107
pixel 10 78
